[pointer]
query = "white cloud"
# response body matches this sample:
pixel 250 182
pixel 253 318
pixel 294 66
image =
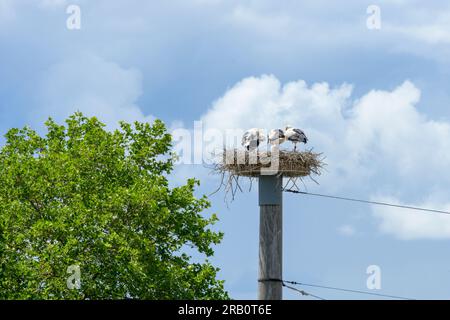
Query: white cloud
pixel 435 29
pixel 409 225
pixel 432 34
pixel 379 135
pixel 93 86
pixel 249 18
pixel 264 102
pixel 388 127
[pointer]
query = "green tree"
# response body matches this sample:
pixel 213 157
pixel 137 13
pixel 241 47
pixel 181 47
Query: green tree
pixel 100 200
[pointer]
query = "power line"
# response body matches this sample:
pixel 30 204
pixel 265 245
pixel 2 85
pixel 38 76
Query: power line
pixel 347 290
pixel 332 288
pixel 302 292
pixel 368 201
pixel 283 283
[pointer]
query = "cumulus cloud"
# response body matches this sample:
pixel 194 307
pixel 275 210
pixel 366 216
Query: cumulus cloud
pixel 92 85
pixel 379 134
pixel 431 27
pixel 413 225
pixel 263 102
pixel 388 129
pixel 249 18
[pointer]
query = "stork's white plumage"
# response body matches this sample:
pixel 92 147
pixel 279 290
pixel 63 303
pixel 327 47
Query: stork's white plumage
pixel 252 138
pixel 295 135
pixel 276 137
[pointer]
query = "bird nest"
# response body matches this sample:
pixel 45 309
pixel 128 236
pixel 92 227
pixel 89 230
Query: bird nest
pixel 286 163
pixel 235 163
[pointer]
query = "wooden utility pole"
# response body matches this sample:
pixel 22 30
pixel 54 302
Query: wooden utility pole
pixel 270 237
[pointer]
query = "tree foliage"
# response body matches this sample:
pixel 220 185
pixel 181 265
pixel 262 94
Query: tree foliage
pixel 84 196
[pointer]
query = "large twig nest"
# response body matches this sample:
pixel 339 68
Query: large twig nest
pixel 286 163
pixel 235 163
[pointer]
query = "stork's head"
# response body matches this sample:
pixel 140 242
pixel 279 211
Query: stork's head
pixel 288 127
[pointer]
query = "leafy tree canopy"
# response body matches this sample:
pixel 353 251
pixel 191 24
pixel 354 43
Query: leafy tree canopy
pixel 100 200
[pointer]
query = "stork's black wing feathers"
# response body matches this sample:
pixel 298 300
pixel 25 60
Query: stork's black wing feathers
pixel 299 131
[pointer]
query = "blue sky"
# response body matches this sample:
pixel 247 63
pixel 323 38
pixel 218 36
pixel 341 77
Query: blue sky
pixel 375 102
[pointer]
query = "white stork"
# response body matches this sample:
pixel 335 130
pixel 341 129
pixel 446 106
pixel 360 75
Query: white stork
pixel 295 135
pixel 252 138
pixel 276 137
